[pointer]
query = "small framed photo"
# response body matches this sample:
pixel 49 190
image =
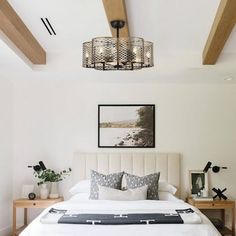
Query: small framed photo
pixel 198 180
pixel 26 189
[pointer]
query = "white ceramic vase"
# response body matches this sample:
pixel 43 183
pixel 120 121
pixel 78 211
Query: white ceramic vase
pixel 54 193
pixel 44 191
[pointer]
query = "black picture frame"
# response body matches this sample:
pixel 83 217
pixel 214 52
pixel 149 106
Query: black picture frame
pixel 149 134
pixel 198 180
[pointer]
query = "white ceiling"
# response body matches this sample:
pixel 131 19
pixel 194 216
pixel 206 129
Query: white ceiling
pixel 179 30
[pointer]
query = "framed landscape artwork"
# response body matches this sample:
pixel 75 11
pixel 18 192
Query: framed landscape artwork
pixel 126 126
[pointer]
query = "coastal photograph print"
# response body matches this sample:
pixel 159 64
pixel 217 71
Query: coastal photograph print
pixel 126 126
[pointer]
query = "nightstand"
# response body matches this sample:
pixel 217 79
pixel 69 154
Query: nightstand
pixel 27 204
pixel 218 205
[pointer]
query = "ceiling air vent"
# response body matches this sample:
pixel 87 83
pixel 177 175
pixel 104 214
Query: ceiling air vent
pixel 48 26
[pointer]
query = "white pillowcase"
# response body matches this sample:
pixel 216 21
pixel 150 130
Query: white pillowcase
pixel 165 196
pixel 82 186
pixel 80 197
pixel 166 187
pixel 136 194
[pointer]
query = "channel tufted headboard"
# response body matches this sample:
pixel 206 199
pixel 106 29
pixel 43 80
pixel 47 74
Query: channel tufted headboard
pixel 135 163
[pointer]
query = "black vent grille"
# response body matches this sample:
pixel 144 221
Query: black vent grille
pixel 48 26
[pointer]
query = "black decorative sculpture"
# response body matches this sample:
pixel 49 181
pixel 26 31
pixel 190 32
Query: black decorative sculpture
pixel 219 193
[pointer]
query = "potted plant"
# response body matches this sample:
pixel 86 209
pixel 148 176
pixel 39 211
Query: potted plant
pixel 45 176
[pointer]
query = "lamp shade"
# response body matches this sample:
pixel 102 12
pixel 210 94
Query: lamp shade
pixel 43 167
pixel 207 167
pixel 148 54
pixel 87 55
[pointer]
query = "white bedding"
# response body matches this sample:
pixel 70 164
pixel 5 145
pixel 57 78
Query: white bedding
pixel 36 228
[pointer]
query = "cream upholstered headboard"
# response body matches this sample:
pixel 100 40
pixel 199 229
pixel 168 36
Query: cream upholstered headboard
pixel 133 162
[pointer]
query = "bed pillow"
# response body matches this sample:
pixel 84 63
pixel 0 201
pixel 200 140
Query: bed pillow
pixel 112 181
pixel 133 181
pixel 166 187
pixel 119 195
pixel 79 196
pixel 82 186
pixel 166 196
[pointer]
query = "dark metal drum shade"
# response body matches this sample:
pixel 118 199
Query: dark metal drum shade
pixel 109 53
pixel 116 53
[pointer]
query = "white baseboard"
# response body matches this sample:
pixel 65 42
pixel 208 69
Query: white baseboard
pixel 5 231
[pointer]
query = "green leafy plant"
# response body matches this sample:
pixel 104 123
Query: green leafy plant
pixel 48 175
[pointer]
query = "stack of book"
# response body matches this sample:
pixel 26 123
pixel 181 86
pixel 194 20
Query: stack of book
pixel 203 198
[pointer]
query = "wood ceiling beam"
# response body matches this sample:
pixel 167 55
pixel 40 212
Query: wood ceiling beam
pixel 17 32
pixel 116 10
pixel 221 29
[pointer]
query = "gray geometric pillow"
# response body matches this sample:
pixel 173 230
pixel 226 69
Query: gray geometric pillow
pixel 134 181
pixel 112 181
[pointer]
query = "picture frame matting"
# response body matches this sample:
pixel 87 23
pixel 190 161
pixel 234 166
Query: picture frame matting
pixel 126 125
pixel 198 180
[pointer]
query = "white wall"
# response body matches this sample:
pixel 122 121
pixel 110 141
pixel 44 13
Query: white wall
pixel 6 118
pixel 53 119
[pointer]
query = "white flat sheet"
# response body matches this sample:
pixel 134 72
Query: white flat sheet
pixel 36 228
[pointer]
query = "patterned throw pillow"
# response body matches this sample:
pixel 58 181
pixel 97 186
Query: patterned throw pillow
pixel 112 181
pixel 134 181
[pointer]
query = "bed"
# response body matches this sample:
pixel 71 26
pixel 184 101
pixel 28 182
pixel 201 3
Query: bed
pixel 136 163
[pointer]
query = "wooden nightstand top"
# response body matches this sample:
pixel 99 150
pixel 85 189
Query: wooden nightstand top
pixel 215 204
pixel 36 203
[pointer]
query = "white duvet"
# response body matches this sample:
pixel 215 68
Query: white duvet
pixel 36 228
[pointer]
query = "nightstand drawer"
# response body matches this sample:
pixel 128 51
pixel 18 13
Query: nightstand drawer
pixel 32 204
pixel 37 203
pixel 214 205
pixel 204 205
